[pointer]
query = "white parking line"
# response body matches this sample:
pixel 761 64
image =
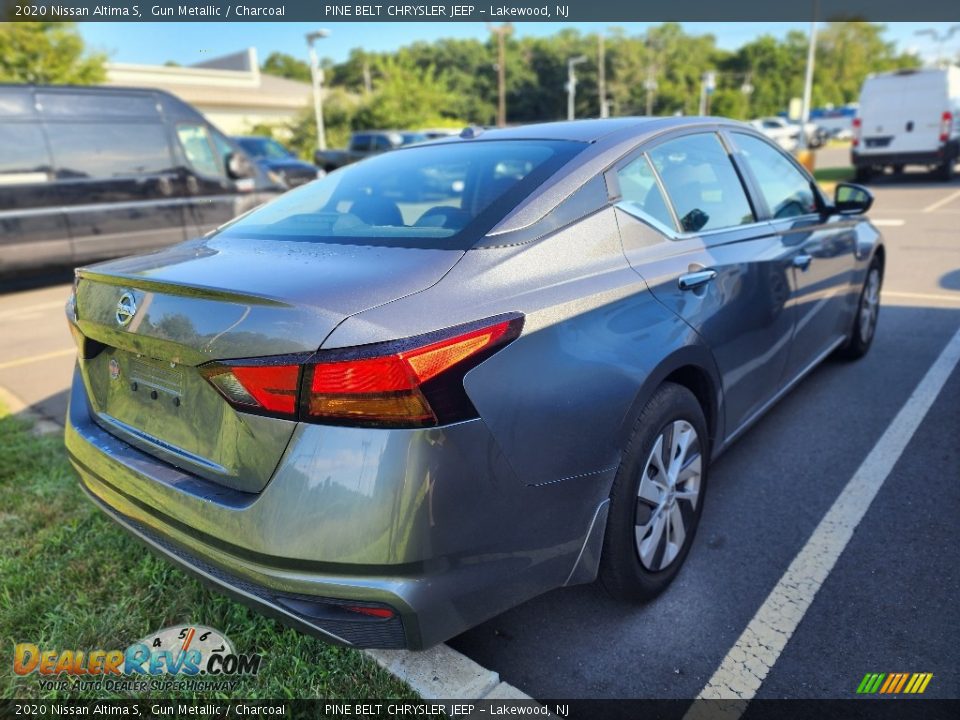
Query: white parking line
pixel 942 201
pixel 747 664
pixel 928 297
pixel 888 223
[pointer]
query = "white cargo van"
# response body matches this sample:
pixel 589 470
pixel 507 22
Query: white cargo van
pixel 908 117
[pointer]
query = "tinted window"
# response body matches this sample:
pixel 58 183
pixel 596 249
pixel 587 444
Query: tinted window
pixel 701 182
pixel 380 143
pixel 15 102
pixel 198 149
pixel 23 154
pixel 639 188
pixel 103 150
pixel 104 105
pixel 788 191
pixel 431 195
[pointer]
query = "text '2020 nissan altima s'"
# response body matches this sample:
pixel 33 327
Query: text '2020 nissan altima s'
pixel 406 397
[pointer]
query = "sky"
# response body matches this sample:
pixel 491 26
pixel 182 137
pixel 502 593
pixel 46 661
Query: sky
pixel 187 43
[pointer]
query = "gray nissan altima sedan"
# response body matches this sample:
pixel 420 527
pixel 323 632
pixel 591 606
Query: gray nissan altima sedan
pixel 406 397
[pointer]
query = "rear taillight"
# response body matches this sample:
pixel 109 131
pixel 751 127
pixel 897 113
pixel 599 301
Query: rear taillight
pixel 946 121
pixel 417 382
pixel 856 132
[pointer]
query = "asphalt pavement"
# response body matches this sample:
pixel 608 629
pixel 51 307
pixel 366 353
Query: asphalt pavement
pixel 888 605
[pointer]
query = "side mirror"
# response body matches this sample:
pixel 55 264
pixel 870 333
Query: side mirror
pixel 850 199
pixel 238 166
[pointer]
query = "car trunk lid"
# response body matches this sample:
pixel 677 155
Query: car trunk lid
pixel 150 321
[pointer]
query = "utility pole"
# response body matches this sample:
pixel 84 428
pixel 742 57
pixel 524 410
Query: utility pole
pixel 501 32
pixel 939 39
pixel 316 77
pixel 650 88
pixel 572 85
pixel 808 80
pixel 602 76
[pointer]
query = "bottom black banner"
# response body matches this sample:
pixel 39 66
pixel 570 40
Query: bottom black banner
pixel 853 709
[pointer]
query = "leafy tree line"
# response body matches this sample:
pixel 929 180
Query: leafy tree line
pixel 454 81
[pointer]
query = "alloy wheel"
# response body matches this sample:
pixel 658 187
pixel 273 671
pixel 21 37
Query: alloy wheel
pixel 667 495
pixel 870 305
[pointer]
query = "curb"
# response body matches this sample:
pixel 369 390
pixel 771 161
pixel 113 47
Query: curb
pixel 440 673
pixel 42 425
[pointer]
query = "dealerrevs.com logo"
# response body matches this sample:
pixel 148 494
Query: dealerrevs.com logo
pixel 182 657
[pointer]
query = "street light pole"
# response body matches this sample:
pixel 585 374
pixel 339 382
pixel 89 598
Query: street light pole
pixel 572 85
pixel 316 77
pixel 808 80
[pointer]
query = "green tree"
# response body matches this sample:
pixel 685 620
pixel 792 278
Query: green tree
pixel 47 53
pixel 286 66
pixel 406 96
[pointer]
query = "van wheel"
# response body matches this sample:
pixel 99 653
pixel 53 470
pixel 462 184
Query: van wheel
pixel 863 175
pixel 657 496
pixel 868 311
pixel 945 171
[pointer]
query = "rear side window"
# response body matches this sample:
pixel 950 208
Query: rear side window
pixel 23 154
pixel 787 191
pixel 702 183
pixel 109 150
pixel 445 195
pixel 641 192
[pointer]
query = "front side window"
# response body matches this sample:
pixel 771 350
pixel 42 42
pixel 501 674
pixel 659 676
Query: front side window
pixel 109 150
pixel 444 195
pixel 702 183
pixel 787 191
pixel 195 141
pixel 640 190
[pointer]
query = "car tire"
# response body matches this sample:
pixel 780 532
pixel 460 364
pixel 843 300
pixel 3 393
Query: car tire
pixel 863 175
pixel 868 310
pixel 657 495
pixel 945 171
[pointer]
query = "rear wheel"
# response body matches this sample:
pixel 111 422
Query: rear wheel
pixel 863 175
pixel 657 496
pixel 945 171
pixel 865 321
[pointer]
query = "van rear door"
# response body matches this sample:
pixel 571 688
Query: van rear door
pixel 902 112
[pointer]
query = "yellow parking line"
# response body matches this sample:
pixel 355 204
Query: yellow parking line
pixel 37 358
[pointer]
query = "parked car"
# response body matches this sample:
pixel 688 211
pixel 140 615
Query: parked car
pixel 908 117
pixel 787 133
pixel 279 163
pixel 386 421
pixel 88 173
pixel 365 144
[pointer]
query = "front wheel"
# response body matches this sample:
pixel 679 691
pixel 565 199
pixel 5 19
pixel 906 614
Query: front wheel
pixel 865 321
pixel 657 496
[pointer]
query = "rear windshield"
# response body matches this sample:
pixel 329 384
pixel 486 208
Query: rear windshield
pixel 445 195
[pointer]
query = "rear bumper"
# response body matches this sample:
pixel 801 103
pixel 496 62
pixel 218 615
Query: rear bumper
pixel 936 157
pixel 432 524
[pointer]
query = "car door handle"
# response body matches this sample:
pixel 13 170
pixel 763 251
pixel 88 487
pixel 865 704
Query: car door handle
pixel 802 261
pixel 693 280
